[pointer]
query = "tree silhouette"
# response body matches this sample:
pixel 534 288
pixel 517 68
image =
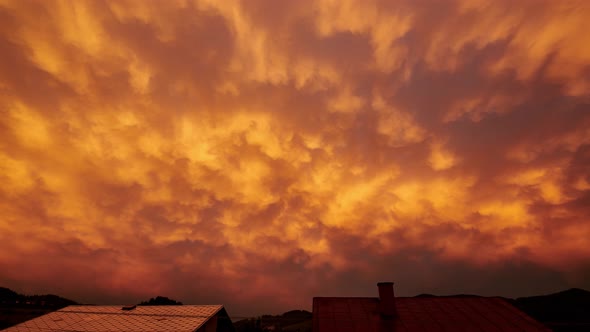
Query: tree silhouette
pixel 160 300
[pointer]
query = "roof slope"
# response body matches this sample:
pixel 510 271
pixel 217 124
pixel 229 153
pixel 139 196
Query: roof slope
pixel 112 318
pixel 421 314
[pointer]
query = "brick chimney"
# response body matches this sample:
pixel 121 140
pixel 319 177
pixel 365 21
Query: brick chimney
pixel 386 300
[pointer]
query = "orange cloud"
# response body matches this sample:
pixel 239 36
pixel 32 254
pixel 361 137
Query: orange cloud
pixel 265 152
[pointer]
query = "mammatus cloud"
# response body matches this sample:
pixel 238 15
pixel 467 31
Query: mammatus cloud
pixel 258 153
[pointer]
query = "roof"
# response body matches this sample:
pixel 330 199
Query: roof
pixel 486 314
pixel 113 318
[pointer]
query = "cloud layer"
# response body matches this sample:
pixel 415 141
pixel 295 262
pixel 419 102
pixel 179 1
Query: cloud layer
pixel 259 153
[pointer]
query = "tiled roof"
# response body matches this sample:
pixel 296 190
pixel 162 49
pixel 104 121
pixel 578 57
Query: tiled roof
pixel 486 314
pixel 112 318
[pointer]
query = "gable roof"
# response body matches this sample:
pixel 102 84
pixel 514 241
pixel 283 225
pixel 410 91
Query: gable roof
pixel 486 314
pixel 112 318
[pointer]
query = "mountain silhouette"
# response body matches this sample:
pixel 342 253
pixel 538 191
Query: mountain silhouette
pixel 290 321
pixel 566 311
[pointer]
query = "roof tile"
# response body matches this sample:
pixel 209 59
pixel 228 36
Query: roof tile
pixel 112 318
pixel 422 314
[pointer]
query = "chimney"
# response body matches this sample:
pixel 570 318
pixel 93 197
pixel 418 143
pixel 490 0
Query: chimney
pixel 386 300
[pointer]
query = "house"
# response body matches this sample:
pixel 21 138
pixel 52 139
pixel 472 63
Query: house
pixel 89 318
pixel 408 314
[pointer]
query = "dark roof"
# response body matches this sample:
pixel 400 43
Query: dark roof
pixel 348 314
pixel 113 318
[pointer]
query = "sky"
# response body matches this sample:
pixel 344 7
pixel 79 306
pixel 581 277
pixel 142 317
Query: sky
pixel 258 153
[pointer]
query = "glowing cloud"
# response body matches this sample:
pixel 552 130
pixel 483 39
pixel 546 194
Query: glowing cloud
pixel 268 151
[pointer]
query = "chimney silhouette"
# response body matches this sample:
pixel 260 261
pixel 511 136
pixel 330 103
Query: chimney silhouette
pixel 386 300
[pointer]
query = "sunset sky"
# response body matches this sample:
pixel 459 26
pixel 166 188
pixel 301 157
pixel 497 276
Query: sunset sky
pixel 258 153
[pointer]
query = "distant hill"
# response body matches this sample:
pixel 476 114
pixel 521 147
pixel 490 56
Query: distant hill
pixel 16 308
pixel 291 321
pixel 7 294
pixel 567 311
pixel 456 295
pixel 10 297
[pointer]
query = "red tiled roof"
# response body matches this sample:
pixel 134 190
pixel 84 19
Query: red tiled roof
pixel 112 318
pixel 486 314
